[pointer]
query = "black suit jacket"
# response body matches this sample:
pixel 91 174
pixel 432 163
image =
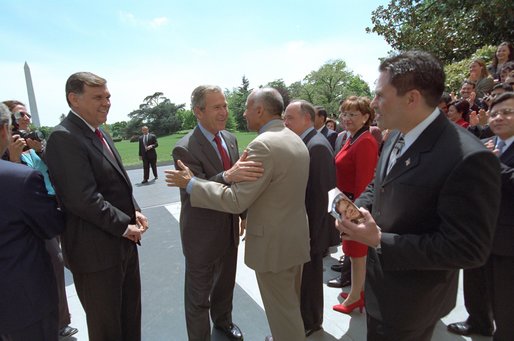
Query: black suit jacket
pixel 437 209
pixel 322 178
pixel 331 136
pixel 206 234
pixel 95 193
pixel 150 154
pixel 503 244
pixel 28 217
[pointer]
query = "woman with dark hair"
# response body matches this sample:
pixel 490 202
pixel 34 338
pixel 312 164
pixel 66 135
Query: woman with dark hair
pixel 483 81
pixel 458 112
pixel 504 53
pixel 355 167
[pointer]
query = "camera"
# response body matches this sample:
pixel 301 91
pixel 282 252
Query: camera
pixel 35 135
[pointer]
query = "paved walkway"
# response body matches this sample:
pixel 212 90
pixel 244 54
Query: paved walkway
pixel 162 274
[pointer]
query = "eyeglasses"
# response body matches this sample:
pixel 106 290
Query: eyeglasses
pixel 22 114
pixel 348 115
pixel 504 112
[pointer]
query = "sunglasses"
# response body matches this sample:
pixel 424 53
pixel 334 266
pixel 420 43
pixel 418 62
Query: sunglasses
pixel 22 114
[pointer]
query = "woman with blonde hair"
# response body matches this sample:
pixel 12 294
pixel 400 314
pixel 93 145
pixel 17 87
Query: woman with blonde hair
pixel 483 81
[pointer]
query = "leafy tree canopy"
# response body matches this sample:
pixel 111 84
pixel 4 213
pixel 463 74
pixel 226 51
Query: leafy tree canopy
pixel 451 29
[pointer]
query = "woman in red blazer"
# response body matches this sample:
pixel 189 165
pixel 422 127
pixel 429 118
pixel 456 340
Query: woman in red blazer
pixel 355 168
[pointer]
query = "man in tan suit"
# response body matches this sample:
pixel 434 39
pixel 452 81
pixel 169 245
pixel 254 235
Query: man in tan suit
pixel 277 236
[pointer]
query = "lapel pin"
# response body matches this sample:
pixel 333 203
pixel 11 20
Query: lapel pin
pixel 407 162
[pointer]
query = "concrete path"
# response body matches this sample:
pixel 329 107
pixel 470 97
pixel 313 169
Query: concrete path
pixel 162 274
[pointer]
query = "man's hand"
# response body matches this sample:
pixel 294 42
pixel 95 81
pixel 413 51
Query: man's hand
pixel 366 233
pixel 179 177
pixel 244 170
pixel 142 221
pixel 483 117
pixel 133 233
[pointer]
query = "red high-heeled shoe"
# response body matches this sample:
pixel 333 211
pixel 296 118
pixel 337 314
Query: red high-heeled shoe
pixel 345 295
pixel 349 308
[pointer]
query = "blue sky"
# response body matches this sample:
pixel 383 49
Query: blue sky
pixel 141 47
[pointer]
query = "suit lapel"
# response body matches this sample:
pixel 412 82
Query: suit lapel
pixel 208 150
pixel 412 156
pixel 99 147
pixel 508 155
pixel 309 136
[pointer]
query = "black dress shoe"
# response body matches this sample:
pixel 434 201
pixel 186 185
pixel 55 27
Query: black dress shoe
pixel 464 328
pixel 144 181
pixel 336 267
pixel 309 331
pixel 67 331
pixel 231 331
pixel 339 283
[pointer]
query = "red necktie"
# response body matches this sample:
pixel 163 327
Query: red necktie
pixel 101 137
pixel 224 156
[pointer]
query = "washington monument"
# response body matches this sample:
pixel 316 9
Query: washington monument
pixel 32 96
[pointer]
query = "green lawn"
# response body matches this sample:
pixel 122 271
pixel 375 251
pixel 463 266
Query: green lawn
pixel 129 151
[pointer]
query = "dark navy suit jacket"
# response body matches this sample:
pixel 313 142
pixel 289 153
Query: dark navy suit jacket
pixel 28 216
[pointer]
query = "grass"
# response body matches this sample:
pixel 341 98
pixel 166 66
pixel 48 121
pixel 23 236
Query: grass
pixel 129 151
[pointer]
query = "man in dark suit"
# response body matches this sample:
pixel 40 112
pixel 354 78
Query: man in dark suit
pixel 487 289
pixel 434 202
pixel 29 216
pixel 103 222
pixel 299 117
pixel 319 124
pixel 209 238
pixel 147 153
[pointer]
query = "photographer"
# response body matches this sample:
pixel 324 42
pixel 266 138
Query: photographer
pixel 27 147
pixel 22 138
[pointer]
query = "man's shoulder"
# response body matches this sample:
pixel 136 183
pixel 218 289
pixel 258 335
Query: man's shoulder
pixel 11 170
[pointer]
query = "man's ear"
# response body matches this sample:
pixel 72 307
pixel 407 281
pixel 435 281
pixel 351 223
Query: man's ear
pixel 73 98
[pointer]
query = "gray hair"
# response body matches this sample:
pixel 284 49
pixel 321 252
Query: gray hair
pixel 270 99
pixel 5 115
pixel 306 108
pixel 198 95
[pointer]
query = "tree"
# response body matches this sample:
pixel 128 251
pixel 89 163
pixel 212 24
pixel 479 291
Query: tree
pixel 187 119
pixel 118 129
pixel 451 29
pixel 236 100
pixel 330 84
pixel 158 113
pixel 282 88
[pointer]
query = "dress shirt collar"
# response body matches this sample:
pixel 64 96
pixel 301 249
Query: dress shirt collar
pixel 414 133
pixel 306 132
pixel 89 125
pixel 508 142
pixel 208 135
pixel 264 127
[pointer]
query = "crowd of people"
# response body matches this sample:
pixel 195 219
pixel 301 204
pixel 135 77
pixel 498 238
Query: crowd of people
pixel 433 198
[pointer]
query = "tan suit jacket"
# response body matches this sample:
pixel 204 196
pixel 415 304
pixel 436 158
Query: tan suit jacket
pixel 277 235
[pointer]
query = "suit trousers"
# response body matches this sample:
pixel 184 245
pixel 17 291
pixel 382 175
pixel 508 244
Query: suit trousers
pixel 378 331
pixel 112 300
pixel 43 330
pixel 477 298
pixel 55 252
pixel 209 286
pixel 501 275
pixel 146 167
pixel 311 299
pixel 280 292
